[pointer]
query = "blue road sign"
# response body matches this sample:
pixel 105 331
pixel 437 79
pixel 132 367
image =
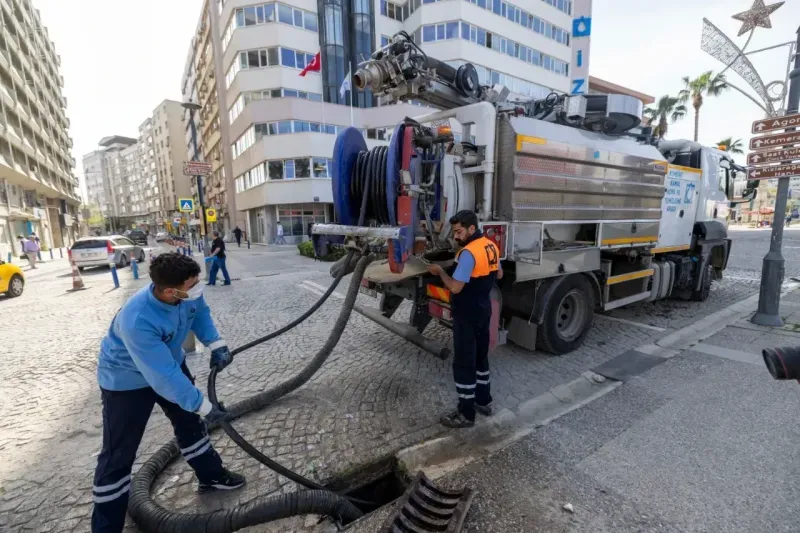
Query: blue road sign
pixel 185 205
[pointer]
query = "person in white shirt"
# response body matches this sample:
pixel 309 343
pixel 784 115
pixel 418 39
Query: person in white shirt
pixel 279 239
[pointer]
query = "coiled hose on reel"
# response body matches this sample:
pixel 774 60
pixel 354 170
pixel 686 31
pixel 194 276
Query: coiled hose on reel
pixel 153 518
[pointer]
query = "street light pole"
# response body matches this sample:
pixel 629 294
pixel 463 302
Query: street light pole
pixel 192 107
pixel 772 271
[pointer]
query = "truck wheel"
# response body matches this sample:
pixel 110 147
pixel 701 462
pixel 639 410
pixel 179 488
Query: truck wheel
pixel 705 289
pixel 567 316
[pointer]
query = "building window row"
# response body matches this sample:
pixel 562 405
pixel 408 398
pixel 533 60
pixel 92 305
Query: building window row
pixel 283 127
pixel 267 94
pixel 266 13
pixel 487 76
pixel 280 169
pixel 470 32
pixel 561 5
pixel 267 57
pixel 524 19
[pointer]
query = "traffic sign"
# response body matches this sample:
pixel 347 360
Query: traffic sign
pixel 773 156
pixel 776 123
pixel 774 141
pixel 196 168
pixel 773 171
pixel 211 214
pixel 185 205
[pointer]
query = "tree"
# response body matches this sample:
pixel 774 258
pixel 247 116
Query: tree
pixel 706 84
pixel 667 108
pixel 729 145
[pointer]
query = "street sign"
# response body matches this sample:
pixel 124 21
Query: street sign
pixel 211 214
pixel 773 156
pixel 196 168
pixel 185 205
pixel 773 171
pixel 774 141
pixel 776 123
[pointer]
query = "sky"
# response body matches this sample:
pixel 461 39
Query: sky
pixel 120 59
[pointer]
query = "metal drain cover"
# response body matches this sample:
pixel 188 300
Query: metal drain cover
pixel 425 508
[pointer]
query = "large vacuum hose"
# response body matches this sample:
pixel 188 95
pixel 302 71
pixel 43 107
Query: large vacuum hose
pixel 151 517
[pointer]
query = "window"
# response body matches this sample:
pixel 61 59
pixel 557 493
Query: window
pixel 320 167
pixel 288 58
pixel 523 18
pixel 275 170
pixel 439 32
pixel 310 21
pixel 288 167
pixel 285 14
pixel 385 40
pixel 394 11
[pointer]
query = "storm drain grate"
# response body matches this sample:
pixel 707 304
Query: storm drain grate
pixel 425 508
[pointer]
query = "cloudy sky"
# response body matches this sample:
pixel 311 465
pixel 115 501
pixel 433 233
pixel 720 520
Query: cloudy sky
pixel 120 59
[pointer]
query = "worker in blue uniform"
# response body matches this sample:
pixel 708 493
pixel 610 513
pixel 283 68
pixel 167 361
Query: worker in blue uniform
pixel 470 286
pixel 141 364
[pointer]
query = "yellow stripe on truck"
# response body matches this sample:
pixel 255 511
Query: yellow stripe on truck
pixel 665 249
pixel 612 280
pixel 630 240
pixel 522 139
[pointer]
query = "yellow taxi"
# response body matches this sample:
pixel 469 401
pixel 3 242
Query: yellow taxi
pixel 12 280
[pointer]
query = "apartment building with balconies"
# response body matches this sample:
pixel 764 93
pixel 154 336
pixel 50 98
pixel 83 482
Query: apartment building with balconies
pixel 38 190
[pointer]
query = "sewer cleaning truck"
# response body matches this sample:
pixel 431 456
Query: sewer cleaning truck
pixel 589 211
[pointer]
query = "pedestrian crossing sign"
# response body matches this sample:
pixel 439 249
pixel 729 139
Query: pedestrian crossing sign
pixel 185 205
pixel 211 215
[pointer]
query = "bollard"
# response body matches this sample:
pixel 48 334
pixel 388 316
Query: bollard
pixel 39 255
pixel 51 254
pixel 61 253
pixel 114 275
pixel 9 257
pixel 248 244
pixel 135 269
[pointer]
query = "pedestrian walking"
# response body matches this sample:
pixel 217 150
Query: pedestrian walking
pixel 141 364
pixel 310 230
pixel 477 268
pixel 31 248
pixel 237 233
pixel 279 239
pixel 218 260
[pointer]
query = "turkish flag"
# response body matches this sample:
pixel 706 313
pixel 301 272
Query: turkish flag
pixel 315 65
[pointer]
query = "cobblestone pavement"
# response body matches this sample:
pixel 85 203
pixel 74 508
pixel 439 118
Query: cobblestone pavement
pixel 375 394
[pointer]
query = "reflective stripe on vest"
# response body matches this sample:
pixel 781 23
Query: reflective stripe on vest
pixel 486 256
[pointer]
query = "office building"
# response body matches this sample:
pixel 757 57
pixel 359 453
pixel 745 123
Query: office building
pixel 136 182
pixel 282 126
pixel 38 191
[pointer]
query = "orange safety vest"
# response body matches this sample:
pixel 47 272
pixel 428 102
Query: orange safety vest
pixel 486 255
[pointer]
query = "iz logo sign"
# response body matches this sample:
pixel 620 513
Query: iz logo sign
pixel 578 86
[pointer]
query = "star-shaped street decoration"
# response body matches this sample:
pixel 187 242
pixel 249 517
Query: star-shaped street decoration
pixel 758 15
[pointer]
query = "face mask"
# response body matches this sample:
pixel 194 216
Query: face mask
pixel 192 294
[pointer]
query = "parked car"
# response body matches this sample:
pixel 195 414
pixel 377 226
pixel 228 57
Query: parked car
pixel 162 236
pixel 100 251
pixel 12 280
pixel 138 236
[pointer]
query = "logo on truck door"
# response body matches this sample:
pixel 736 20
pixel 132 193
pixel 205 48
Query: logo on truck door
pixel 689 196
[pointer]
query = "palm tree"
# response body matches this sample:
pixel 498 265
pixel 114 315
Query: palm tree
pixel 706 84
pixel 667 108
pixel 729 145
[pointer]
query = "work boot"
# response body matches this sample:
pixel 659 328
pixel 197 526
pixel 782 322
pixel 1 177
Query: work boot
pixel 226 481
pixel 456 420
pixel 485 410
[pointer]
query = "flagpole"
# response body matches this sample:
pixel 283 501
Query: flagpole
pixel 351 107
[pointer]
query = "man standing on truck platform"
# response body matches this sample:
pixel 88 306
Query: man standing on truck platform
pixel 478 266
pixel 142 364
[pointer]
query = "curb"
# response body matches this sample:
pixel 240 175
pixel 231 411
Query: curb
pixel 445 454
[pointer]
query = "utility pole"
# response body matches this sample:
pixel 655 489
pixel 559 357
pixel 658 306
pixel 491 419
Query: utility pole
pixel 772 271
pixel 192 107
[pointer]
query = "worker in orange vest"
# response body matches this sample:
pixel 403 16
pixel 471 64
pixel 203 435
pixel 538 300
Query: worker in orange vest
pixel 477 269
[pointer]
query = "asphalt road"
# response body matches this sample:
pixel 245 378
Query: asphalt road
pixel 750 247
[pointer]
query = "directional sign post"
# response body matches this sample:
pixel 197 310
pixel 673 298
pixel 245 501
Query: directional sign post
pixel 774 124
pixel 772 271
pixel 773 156
pixel 775 141
pixel 196 168
pixel 773 171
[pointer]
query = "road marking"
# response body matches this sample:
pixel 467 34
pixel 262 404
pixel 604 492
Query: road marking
pixel 737 278
pixel 727 353
pixel 631 322
pixel 310 289
pixel 311 285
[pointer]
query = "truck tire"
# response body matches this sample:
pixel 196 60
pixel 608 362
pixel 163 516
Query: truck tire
pixel 567 316
pixel 705 288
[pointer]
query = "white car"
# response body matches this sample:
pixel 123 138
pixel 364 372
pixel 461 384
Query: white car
pixel 101 251
pixel 162 236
